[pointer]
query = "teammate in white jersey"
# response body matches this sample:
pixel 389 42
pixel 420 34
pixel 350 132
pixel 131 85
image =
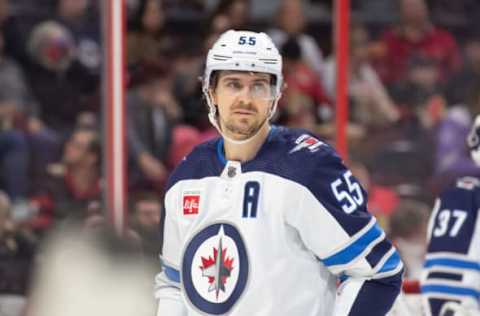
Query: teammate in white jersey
pixel 267 220
pixel 450 282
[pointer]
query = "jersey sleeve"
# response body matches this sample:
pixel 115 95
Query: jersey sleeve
pixel 335 225
pixel 167 282
pixel 451 272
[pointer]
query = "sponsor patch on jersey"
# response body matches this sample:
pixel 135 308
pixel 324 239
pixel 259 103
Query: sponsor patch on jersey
pixel 191 202
pixel 307 141
pixel 215 269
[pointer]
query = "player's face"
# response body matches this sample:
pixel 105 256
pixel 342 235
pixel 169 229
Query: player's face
pixel 244 100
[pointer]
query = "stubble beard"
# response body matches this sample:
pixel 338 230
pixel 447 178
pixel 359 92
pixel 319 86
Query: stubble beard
pixel 242 128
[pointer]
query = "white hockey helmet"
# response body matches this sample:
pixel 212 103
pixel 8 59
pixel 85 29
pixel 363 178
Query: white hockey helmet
pixel 473 141
pixel 243 51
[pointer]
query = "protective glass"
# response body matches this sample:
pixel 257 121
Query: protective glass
pixel 259 89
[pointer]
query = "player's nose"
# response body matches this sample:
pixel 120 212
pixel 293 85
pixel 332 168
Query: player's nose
pixel 245 95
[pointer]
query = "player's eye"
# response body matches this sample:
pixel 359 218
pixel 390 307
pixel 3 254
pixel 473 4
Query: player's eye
pixel 260 86
pixel 234 85
pixel 260 89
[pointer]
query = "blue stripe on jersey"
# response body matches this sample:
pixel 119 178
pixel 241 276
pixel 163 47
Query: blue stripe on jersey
pixel 452 290
pixel 378 252
pixel 392 263
pixel 353 250
pixel 445 275
pixel 171 273
pixel 343 277
pixel 220 152
pixel 452 263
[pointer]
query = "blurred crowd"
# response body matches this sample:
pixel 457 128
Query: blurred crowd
pixel 414 87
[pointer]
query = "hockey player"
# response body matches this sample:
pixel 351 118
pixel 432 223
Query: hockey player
pixel 450 281
pixel 267 220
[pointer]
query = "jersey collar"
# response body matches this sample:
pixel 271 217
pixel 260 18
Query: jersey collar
pixel 221 149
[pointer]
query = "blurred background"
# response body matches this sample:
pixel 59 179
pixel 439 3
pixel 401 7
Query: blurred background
pixel 414 87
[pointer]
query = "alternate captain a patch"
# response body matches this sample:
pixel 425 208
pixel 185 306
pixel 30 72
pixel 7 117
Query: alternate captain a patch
pixel 215 269
pixel 191 202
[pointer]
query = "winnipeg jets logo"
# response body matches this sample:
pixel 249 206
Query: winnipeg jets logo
pixel 306 141
pixel 215 269
pixel 218 268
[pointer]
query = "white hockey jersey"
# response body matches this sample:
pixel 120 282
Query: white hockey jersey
pixel 452 266
pixel 273 236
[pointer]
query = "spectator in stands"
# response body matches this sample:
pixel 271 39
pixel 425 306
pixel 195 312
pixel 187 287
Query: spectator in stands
pixel 82 20
pixel 17 21
pixel 291 20
pixel 63 89
pixel 226 15
pixel 379 12
pixel 231 14
pixel 72 185
pixel 420 96
pixel 14 88
pixel 146 212
pixel 456 15
pixel 4 11
pixel 371 105
pixel 14 154
pixel 21 115
pixel 416 35
pixel 61 68
pixel 15 102
pixel 14 159
pixel 17 249
pixel 408 231
pixel 303 83
pixel 463 81
pixel 186 71
pixel 152 113
pixel 147 40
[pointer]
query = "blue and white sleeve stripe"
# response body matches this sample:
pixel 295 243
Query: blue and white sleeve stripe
pixel 369 244
pixel 171 275
pixel 389 265
pixel 452 261
pixel 451 276
pixel 167 280
pixel 371 271
pixel 449 290
pixel 360 245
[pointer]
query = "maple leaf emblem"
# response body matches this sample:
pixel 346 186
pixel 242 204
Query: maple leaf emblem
pixel 217 268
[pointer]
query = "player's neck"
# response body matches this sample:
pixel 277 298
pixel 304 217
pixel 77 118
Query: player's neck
pixel 247 151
